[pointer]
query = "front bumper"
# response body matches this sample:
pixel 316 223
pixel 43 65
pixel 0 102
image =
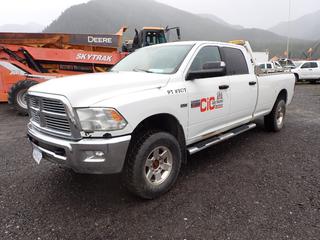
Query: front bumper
pixel 74 154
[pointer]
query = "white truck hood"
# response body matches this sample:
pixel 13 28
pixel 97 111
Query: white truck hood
pixel 88 89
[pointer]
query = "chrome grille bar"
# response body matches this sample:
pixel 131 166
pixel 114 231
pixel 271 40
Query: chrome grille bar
pixel 51 116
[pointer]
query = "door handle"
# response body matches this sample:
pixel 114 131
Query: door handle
pixel 252 83
pixel 223 87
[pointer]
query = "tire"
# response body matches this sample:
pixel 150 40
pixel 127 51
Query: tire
pixel 297 77
pixel 313 81
pixel 17 96
pixel 274 121
pixel 148 174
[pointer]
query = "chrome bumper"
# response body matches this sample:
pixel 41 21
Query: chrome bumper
pixel 74 154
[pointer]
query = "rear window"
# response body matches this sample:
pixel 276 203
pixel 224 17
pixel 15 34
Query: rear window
pixel 262 66
pixel 235 61
pixel 314 65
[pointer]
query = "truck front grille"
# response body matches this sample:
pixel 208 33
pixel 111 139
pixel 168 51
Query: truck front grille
pixel 58 124
pixel 35 116
pixel 50 116
pixel 54 106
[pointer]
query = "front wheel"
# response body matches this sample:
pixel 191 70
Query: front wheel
pixel 17 95
pixel 275 120
pixel 152 164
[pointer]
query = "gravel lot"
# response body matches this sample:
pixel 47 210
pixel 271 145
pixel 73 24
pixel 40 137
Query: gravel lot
pixel 258 185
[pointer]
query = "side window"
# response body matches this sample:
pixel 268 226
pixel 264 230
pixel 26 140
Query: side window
pixel 262 66
pixel 206 54
pixel 269 66
pixel 235 61
pixel 306 65
pixel 313 65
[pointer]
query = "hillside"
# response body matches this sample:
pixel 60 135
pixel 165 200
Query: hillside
pixel 219 20
pixel 101 16
pixel 306 27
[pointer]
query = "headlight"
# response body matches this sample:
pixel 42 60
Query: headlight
pixel 100 119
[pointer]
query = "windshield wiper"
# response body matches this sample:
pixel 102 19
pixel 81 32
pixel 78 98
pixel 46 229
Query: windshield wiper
pixel 142 70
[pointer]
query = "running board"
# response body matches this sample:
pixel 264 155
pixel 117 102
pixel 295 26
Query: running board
pixel 212 141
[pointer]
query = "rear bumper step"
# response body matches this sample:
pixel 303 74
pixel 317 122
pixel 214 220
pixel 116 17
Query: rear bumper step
pixel 212 141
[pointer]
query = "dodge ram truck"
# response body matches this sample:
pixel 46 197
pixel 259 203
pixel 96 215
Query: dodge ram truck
pixel 308 70
pixel 155 108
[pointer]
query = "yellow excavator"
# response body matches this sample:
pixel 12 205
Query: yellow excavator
pixel 148 36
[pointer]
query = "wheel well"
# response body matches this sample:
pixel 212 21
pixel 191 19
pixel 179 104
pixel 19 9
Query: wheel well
pixel 166 123
pixel 283 95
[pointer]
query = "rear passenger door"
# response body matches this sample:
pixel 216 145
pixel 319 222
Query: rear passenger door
pixel 243 85
pixel 315 70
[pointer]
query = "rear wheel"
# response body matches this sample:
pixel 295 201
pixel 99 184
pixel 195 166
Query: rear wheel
pixel 152 164
pixel 275 120
pixel 313 81
pixel 17 95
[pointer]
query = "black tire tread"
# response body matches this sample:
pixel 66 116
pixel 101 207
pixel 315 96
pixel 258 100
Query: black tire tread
pixel 13 91
pixel 132 151
pixel 128 173
pixel 269 122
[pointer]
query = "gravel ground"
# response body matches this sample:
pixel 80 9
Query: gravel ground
pixel 258 185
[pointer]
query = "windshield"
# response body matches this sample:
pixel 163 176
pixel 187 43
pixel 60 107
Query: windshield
pixel 286 63
pixel 153 38
pixel 13 69
pixel 298 64
pixel 159 59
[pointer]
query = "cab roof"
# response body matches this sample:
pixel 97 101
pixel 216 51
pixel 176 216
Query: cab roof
pixel 152 28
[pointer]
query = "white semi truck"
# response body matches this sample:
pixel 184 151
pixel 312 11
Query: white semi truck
pixel 153 109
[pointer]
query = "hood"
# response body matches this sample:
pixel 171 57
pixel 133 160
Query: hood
pixel 88 89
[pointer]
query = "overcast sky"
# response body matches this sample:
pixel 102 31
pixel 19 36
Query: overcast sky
pixel 249 13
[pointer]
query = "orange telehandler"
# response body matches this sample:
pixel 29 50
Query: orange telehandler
pixel 30 58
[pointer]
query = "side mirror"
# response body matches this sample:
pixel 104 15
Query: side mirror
pixel 209 69
pixel 178 34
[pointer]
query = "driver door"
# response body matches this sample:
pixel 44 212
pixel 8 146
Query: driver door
pixel 209 98
pixel 306 71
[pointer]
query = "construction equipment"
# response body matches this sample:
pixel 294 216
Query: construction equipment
pixel 310 52
pixel 148 36
pixel 29 58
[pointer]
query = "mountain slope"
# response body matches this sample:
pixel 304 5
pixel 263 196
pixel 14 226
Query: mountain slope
pixel 106 16
pixel 306 27
pixel 29 27
pixel 219 20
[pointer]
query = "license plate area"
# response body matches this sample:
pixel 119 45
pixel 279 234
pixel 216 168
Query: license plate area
pixel 37 154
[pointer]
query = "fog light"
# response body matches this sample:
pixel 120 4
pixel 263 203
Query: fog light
pixel 94 156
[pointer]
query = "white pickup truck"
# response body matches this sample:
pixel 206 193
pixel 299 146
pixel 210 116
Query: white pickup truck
pixel 153 109
pixel 308 70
